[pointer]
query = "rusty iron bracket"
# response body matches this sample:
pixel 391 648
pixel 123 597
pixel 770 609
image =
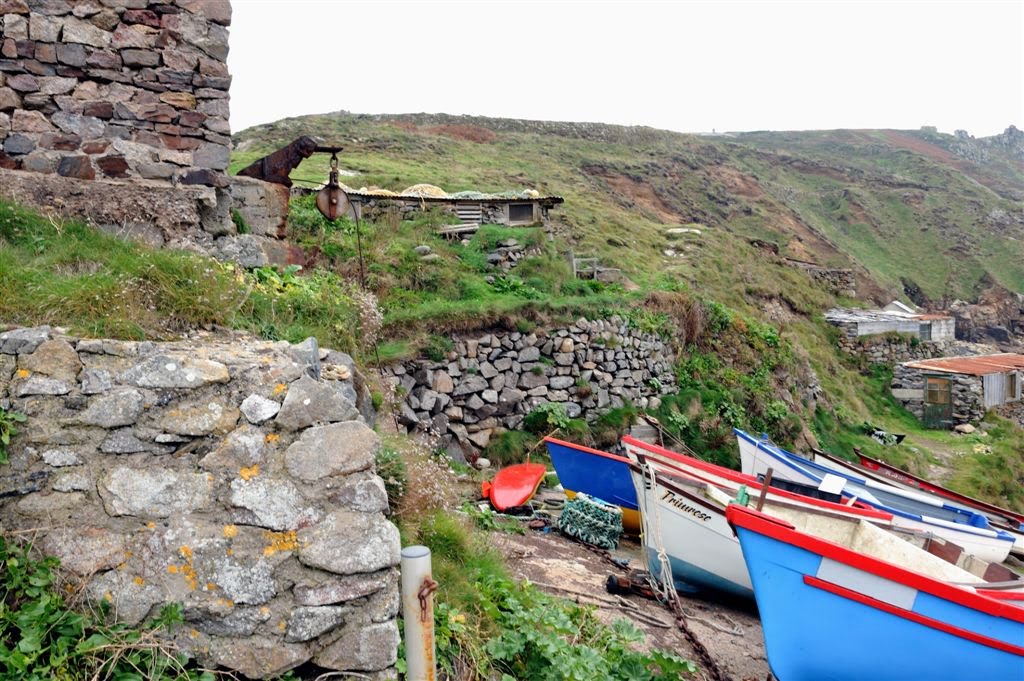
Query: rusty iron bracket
pixel 275 167
pixel 428 587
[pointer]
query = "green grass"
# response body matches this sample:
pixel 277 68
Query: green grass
pixel 68 274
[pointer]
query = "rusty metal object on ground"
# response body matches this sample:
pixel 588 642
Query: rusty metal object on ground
pixel 276 166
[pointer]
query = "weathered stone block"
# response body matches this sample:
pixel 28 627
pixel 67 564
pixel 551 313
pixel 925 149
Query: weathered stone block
pixel 332 544
pixel 154 492
pixel 337 449
pixel 362 647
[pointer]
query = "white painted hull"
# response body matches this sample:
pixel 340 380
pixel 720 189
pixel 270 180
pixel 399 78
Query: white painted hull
pixel 983 543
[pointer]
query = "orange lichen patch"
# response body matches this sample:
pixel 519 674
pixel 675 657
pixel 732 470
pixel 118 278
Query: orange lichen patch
pixel 210 586
pixel 280 541
pixel 190 577
pixel 150 525
pixel 226 602
pixel 185 552
pixel 120 566
pixel 230 531
pixel 128 554
pixel 249 472
pixel 173 569
pixel 264 610
pixel 281 625
pixel 24 373
pixel 230 551
pixel 194 633
pixel 272 437
pixel 108 596
pixel 280 388
pixel 139 581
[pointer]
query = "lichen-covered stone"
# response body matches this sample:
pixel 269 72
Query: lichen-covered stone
pixel 61 457
pixel 23 341
pixel 41 385
pixel 336 449
pixel 307 623
pixel 310 402
pixel 258 409
pixel 257 657
pixel 201 417
pixel 116 408
pixel 85 550
pixel 252 584
pixel 242 447
pixel 347 542
pixel 362 647
pixel 130 596
pixel 340 589
pixel 166 371
pixel 361 492
pixel 154 492
pixel 55 358
pixel 276 504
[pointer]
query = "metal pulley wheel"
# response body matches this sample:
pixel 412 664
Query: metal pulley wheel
pixel 332 200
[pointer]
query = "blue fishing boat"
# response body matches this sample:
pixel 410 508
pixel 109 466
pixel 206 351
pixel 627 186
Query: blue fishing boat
pixel 598 474
pixel 830 613
pixel 910 510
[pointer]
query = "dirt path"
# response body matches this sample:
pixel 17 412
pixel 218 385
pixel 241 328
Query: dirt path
pixel 730 631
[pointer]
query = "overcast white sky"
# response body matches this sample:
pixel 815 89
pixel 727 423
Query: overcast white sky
pixel 686 66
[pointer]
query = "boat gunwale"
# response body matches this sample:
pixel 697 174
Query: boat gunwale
pixel 785 532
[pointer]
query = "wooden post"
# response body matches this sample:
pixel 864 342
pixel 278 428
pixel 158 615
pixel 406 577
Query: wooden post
pixel 764 488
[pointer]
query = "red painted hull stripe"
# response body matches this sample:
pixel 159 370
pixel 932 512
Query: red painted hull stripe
pixel 913 616
pixel 742 478
pixel 765 524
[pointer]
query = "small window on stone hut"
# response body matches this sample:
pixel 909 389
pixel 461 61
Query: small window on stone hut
pixel 520 213
pixel 938 391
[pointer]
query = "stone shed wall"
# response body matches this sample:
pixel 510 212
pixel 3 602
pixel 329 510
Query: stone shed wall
pixel 908 386
pixel 116 89
pixel 233 476
pixel 889 348
pixel 491 381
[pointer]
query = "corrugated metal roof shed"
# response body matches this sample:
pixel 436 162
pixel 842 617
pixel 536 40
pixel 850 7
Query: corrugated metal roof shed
pixel 837 314
pixel 543 200
pixel 972 366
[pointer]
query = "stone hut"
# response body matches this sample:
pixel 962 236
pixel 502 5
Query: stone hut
pixel 952 390
pixel 117 112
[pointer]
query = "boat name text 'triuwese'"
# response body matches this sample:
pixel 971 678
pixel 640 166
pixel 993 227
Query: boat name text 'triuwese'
pixel 671 498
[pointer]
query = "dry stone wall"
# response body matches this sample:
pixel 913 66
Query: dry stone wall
pixel 491 381
pixel 233 476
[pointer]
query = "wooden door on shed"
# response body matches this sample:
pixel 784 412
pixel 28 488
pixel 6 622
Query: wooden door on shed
pixel 938 402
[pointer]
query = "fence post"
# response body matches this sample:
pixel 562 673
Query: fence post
pixel 418 589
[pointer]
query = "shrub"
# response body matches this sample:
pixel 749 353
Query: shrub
pixel 509 447
pixel 438 347
pixel 391 469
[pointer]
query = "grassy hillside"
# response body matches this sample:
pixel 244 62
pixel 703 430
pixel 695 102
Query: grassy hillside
pixel 910 216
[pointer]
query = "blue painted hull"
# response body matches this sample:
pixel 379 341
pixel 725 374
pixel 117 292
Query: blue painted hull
pixel 827 617
pixel 606 478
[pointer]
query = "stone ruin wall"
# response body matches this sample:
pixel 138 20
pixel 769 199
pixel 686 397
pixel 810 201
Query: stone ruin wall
pixel 842 282
pixel 490 382
pixel 233 476
pixel 116 111
pixel 967 393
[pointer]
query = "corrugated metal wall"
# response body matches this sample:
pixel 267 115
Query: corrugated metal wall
pixel 995 387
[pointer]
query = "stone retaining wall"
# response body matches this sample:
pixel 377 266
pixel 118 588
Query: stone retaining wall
pixel 490 382
pixel 841 282
pixel 233 476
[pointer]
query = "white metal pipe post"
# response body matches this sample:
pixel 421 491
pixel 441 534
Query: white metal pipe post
pixel 418 587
